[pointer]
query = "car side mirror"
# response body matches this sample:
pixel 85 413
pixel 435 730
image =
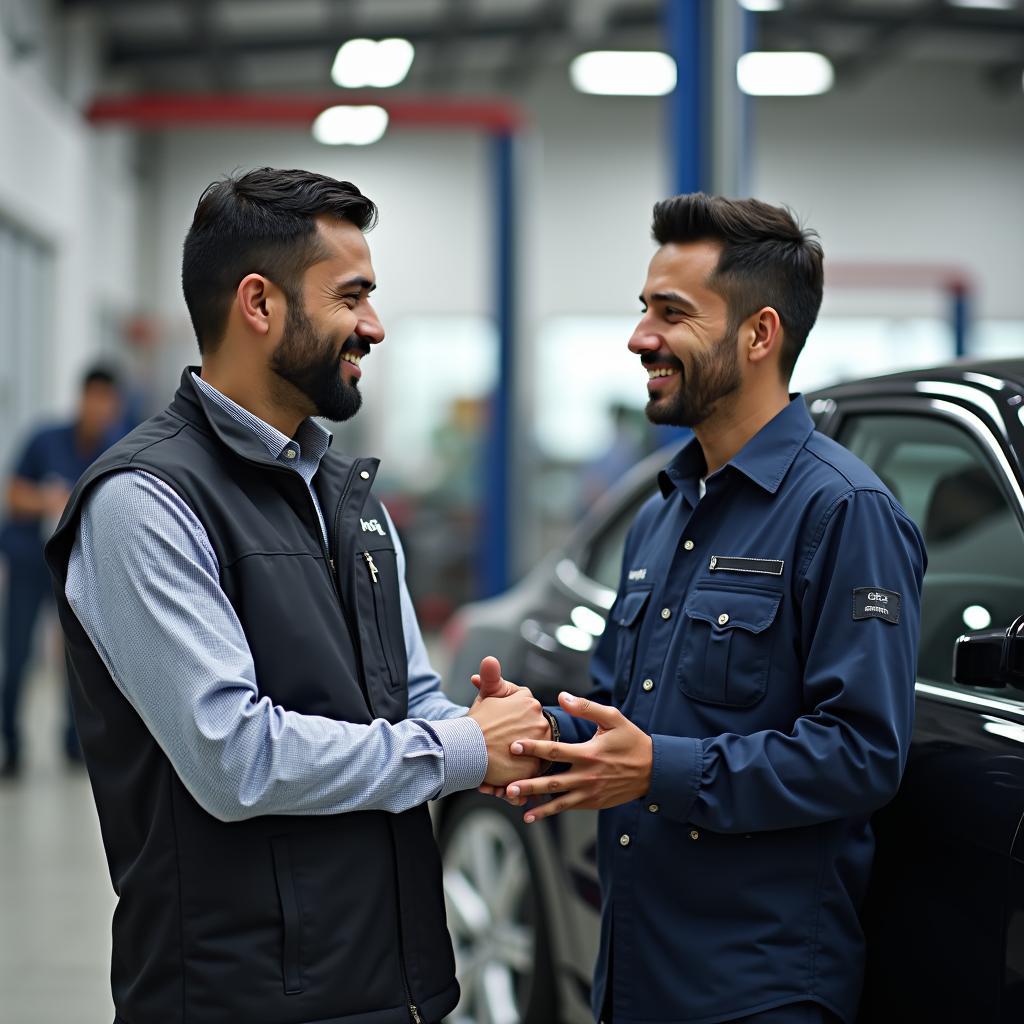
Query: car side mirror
pixel 991 658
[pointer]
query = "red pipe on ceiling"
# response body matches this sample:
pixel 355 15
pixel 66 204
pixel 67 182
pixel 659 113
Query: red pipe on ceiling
pixel 199 110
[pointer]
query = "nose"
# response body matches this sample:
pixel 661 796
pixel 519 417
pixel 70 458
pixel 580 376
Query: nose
pixel 644 338
pixel 369 327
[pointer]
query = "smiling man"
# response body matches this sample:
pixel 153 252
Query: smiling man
pixel 259 719
pixel 755 683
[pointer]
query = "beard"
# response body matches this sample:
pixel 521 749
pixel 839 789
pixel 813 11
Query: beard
pixel 311 363
pixel 713 375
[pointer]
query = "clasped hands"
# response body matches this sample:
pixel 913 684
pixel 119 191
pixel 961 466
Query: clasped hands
pixel 611 768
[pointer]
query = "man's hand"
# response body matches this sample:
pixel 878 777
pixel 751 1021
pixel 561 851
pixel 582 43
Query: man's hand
pixel 490 683
pixel 502 720
pixel 612 768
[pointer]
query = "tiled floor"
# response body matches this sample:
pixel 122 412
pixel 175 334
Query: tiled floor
pixel 55 895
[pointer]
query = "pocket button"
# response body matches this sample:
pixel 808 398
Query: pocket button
pixel 723 619
pixel 648 685
pixel 666 613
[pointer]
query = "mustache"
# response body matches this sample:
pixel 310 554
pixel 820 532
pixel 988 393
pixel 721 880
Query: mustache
pixel 649 359
pixel 353 343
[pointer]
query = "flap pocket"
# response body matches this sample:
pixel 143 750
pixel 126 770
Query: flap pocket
pixel 752 611
pixel 630 606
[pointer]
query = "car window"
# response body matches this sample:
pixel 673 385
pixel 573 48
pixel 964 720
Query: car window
pixel 942 478
pixel 602 561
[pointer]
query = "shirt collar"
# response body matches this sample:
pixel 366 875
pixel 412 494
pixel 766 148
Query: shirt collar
pixel 313 438
pixel 765 458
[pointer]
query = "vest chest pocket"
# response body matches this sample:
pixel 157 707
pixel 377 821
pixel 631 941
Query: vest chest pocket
pixel 382 582
pixel 727 646
pixel 627 614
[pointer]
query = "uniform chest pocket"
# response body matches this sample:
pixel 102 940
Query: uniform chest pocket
pixel 727 646
pixel 628 615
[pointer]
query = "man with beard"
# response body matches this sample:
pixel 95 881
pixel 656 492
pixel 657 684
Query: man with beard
pixel 755 683
pixel 258 716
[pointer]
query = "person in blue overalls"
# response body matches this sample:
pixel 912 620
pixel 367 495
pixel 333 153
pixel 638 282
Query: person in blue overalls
pixel 53 458
pixel 755 683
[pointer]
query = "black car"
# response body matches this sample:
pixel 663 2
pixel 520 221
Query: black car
pixel 945 912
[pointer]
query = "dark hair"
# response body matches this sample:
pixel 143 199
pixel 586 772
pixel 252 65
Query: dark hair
pixel 101 373
pixel 261 222
pixel 767 259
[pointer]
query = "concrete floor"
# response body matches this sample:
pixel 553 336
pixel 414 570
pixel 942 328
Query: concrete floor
pixel 55 896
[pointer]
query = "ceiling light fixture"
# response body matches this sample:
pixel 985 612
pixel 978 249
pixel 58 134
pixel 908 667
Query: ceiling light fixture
pixel 761 5
pixel 796 73
pixel 624 73
pixel 350 126
pixel 380 64
pixel 985 5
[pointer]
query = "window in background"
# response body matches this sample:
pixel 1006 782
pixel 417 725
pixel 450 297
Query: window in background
pixel 437 366
pixel 26 265
pixel 846 348
pixel 426 408
pixel 583 372
pixel 995 338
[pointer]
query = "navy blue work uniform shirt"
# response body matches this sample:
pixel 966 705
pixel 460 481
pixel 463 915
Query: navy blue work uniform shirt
pixel 51 455
pixel 765 636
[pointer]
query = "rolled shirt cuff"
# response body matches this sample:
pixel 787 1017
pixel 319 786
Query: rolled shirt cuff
pixel 465 753
pixel 676 768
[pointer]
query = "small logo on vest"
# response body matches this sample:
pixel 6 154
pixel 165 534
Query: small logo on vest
pixel 637 574
pixel 372 526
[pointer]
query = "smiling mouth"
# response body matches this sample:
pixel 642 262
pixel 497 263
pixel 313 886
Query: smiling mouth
pixel 352 357
pixel 660 371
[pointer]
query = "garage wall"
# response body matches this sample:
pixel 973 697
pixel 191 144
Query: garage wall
pixel 71 190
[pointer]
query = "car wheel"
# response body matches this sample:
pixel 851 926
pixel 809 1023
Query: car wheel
pixel 495 916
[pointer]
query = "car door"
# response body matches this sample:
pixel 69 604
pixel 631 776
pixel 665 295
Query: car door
pixel 945 913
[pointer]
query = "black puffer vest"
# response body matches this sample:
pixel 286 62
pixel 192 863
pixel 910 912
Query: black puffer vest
pixel 334 919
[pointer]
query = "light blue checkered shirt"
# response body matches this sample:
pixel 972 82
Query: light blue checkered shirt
pixel 144 582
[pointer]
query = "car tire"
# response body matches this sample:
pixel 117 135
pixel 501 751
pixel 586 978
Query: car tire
pixel 496 916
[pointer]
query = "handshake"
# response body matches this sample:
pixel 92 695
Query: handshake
pixel 506 713
pixel 610 768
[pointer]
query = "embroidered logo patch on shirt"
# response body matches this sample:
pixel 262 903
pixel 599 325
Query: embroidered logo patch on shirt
pixel 637 574
pixel 876 603
pixel 372 526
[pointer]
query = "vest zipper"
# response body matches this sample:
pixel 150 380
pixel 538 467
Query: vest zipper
pixel 414 1012
pixel 374 572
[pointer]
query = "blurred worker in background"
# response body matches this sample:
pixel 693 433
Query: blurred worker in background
pixel 259 718
pixel 47 468
pixel 754 694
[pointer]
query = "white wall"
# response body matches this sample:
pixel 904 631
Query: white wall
pixel 72 188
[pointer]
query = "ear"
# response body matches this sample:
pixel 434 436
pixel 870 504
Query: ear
pixel 258 302
pixel 762 335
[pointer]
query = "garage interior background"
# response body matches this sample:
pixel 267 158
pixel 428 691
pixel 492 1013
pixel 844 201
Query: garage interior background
pixel 910 166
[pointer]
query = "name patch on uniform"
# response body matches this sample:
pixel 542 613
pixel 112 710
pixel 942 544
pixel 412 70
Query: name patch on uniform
pixel 876 603
pixel 637 574
pixel 737 563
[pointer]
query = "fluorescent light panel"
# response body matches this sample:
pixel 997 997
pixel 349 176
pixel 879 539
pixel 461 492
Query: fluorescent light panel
pixel 350 126
pixel 985 5
pixel 761 5
pixel 624 73
pixel 379 64
pixel 796 73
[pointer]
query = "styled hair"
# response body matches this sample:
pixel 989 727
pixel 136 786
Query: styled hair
pixel 260 222
pixel 100 373
pixel 767 259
